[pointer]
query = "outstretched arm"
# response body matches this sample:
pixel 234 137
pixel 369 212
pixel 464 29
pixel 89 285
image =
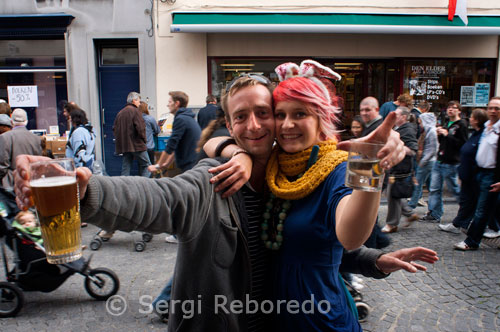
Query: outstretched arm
pixel 374 263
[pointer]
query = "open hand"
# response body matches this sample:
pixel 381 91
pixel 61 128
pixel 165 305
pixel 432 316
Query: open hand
pixel 405 259
pixel 393 151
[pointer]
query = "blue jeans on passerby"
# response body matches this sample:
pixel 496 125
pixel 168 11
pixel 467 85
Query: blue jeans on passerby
pixel 423 173
pixel 442 172
pixel 142 160
pixel 485 208
pixel 467 202
pixel 164 297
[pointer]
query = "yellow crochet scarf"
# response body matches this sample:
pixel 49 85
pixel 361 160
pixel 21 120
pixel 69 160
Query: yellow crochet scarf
pixel 282 165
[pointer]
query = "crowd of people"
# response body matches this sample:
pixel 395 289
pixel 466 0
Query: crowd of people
pixel 268 217
pixel 441 153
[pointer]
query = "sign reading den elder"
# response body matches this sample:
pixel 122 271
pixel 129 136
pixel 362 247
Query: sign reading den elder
pixel 23 95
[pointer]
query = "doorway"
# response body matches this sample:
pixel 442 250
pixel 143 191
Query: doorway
pixel 118 75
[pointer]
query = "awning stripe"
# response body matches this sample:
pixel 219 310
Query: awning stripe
pixel 331 23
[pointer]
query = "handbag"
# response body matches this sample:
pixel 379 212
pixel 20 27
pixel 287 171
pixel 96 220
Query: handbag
pixel 402 187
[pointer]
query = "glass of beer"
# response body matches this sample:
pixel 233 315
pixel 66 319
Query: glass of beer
pixel 57 203
pixel 363 167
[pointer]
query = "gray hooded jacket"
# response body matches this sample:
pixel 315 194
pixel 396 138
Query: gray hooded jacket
pixel 430 141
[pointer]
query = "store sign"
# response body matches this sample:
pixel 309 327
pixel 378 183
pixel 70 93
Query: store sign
pixel 482 94
pixel 467 96
pixel 426 82
pixel 23 95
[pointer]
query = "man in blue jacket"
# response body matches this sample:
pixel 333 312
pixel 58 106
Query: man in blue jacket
pixel 185 135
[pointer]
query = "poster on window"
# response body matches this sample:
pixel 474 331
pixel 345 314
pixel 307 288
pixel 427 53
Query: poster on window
pixel 425 82
pixel 482 94
pixel 467 96
pixel 23 95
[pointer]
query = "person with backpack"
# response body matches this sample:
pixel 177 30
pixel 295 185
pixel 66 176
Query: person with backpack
pixel 81 141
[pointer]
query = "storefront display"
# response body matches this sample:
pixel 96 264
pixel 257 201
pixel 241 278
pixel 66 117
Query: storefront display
pixel 439 81
pixel 33 77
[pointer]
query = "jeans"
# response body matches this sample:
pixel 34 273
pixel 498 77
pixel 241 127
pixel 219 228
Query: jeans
pixel 485 208
pixel 151 154
pixel 142 159
pixel 164 297
pixel 423 173
pixel 440 173
pixel 469 192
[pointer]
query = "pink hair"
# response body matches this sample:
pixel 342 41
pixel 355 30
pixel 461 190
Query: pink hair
pixel 308 92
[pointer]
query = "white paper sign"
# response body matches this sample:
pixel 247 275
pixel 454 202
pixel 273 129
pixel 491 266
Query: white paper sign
pixel 23 95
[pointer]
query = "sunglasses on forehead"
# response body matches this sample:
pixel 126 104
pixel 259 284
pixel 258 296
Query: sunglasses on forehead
pixel 259 78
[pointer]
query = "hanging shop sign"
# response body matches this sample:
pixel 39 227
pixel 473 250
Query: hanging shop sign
pixel 23 95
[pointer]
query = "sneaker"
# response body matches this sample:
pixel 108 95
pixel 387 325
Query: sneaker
pixel 106 235
pixel 492 242
pixel 389 229
pixel 171 239
pixel 357 286
pixel 429 218
pixel 421 202
pixel 357 279
pixel 449 228
pixel 463 246
pixel 490 234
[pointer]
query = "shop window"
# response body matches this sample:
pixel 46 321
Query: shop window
pixel 37 67
pixel 438 81
pixel 50 98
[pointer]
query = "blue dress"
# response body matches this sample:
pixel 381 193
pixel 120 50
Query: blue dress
pixel 308 263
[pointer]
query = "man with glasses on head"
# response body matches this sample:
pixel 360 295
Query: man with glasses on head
pixel 221 259
pixel 488 174
pixel 451 136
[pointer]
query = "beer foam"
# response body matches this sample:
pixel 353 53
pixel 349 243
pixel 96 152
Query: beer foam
pixel 54 181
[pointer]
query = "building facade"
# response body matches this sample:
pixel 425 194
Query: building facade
pixel 90 52
pixel 380 49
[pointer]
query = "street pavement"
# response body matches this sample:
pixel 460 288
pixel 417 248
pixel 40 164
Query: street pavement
pixel 461 292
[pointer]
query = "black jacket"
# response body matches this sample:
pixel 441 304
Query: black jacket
pixel 449 146
pixel 408 135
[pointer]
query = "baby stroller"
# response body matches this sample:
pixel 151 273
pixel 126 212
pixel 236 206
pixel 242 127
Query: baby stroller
pixel 32 272
pixel 363 308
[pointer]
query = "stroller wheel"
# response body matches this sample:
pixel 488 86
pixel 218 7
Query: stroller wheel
pixel 140 246
pixel 363 310
pixel 102 283
pixel 147 237
pixel 95 244
pixel 11 300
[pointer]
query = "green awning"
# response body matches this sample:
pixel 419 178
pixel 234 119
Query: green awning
pixel 205 22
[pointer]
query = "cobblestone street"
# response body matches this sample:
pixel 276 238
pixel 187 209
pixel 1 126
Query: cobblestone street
pixel 461 292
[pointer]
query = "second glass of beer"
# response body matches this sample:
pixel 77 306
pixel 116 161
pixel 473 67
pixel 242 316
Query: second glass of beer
pixel 55 191
pixel 363 167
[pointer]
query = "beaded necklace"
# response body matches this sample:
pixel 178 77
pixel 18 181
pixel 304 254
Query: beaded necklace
pixel 274 207
pixel 272 227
